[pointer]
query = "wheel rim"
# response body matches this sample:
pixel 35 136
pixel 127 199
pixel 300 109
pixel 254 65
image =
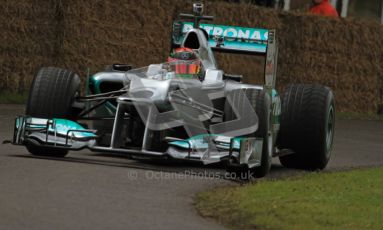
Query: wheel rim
pixel 330 130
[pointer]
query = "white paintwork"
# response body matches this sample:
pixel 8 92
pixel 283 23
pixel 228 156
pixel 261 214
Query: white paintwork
pixel 343 12
pixel 286 7
pixel 213 76
pixel 381 12
pixel 154 69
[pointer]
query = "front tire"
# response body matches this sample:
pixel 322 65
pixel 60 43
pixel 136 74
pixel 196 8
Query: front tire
pixel 307 126
pixel 51 95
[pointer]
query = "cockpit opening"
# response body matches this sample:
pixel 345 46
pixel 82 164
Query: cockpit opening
pixel 192 41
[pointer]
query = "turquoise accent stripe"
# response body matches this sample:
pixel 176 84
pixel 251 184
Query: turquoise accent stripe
pixel 61 126
pixel 198 142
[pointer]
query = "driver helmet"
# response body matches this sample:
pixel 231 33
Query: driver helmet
pixel 187 64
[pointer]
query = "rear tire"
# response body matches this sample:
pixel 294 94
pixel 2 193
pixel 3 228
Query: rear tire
pixel 260 102
pixel 51 95
pixel 307 126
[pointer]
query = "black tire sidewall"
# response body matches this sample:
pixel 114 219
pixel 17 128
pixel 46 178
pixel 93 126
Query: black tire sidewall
pixel 304 126
pixel 59 93
pixel 48 99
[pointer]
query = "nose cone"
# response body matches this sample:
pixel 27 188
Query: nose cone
pixel 144 93
pixel 149 89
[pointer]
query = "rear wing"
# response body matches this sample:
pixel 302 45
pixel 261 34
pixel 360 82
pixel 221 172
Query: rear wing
pixel 237 40
pixel 226 38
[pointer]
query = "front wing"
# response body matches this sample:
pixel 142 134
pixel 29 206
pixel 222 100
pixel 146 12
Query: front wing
pixel 67 134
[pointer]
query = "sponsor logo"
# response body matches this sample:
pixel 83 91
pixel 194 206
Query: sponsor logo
pixel 231 32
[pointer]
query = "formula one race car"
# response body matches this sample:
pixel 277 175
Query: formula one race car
pixel 184 109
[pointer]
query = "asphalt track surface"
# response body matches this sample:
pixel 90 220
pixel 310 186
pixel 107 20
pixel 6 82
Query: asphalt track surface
pixel 92 191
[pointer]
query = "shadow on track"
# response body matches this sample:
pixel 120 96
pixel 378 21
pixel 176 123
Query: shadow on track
pixel 216 171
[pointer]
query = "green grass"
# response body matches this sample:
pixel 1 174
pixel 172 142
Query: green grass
pixel 338 200
pixel 7 97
